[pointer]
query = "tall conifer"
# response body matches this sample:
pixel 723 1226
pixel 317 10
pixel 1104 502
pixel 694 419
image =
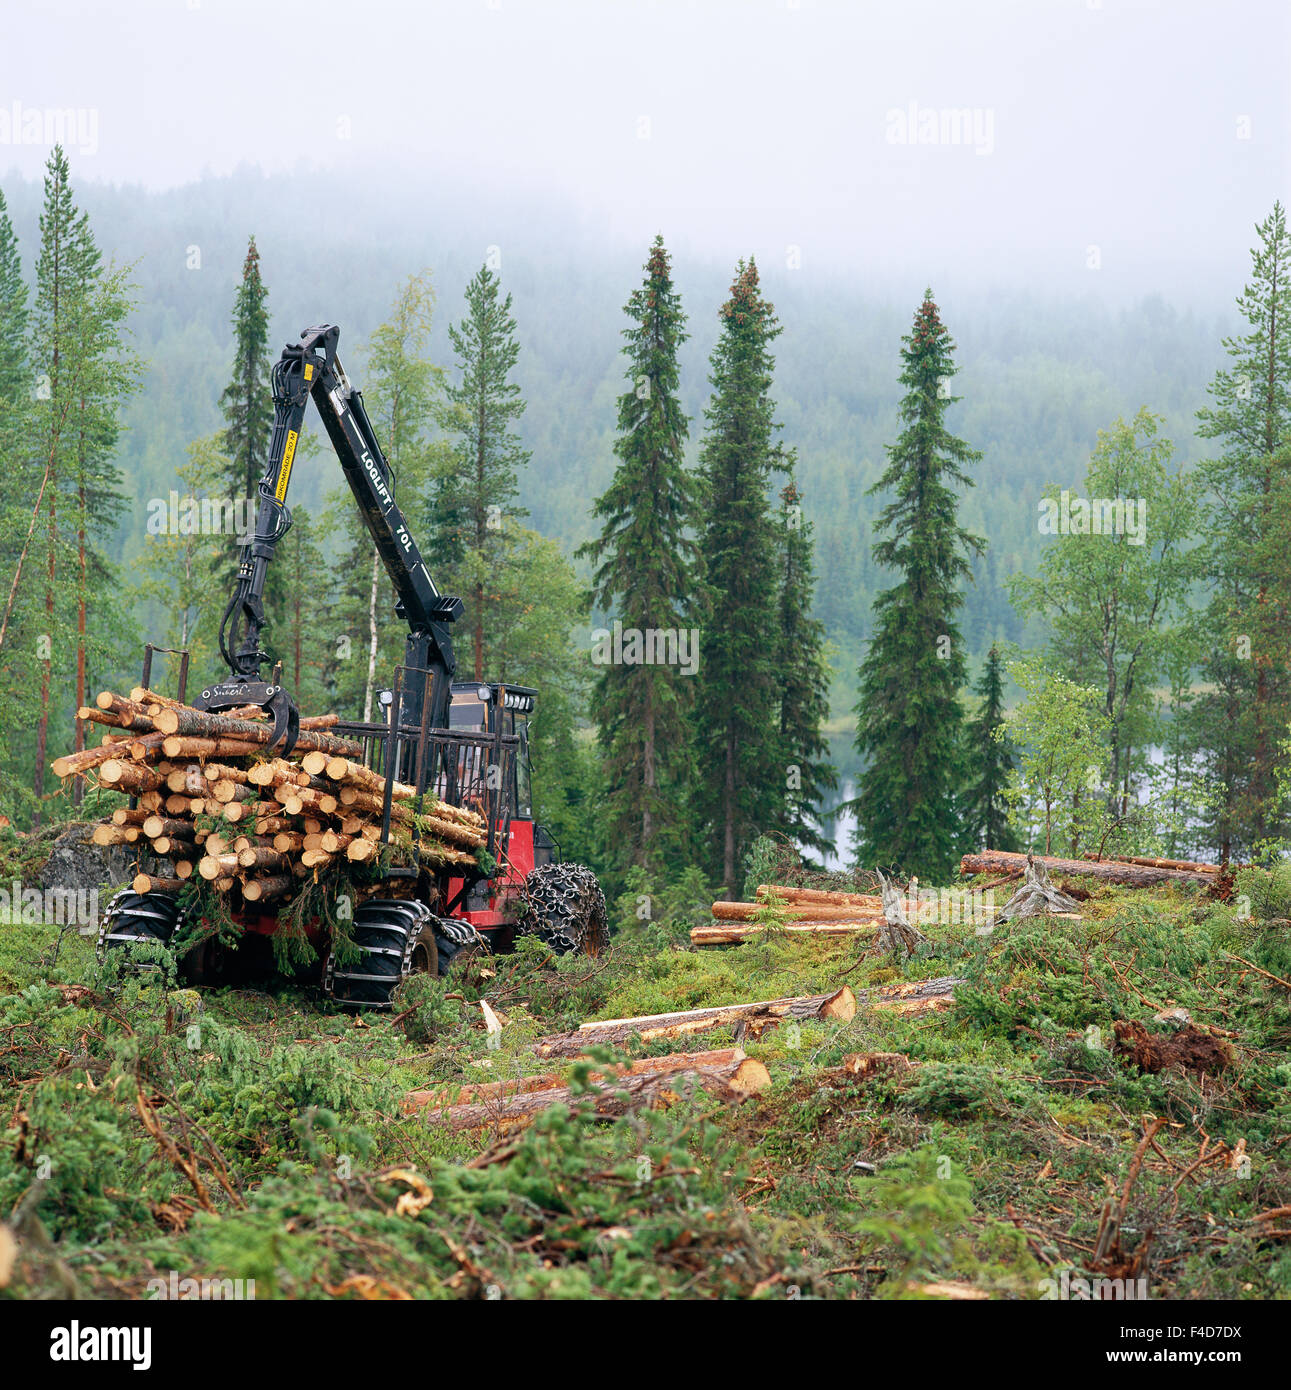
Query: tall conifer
pixel 739 781
pixel 804 681
pixel 644 576
pixel 909 718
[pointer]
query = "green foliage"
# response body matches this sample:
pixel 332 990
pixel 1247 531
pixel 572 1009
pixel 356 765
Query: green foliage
pixel 1061 733
pixel 645 564
pixel 805 673
pixel 476 482
pixel 662 913
pixel 909 720
pixel 739 780
pixel 1242 720
pixel 992 759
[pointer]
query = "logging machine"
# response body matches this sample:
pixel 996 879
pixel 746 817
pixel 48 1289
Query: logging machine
pixel 465 743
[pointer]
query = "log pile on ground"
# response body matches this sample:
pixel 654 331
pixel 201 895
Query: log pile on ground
pixel 799 911
pixel 211 800
pixel 1127 874
pixel 725 1073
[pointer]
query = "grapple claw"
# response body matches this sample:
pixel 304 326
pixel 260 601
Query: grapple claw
pixel 273 699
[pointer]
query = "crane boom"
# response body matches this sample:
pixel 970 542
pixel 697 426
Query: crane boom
pixel 312 368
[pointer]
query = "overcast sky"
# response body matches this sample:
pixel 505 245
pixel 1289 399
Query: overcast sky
pixel 1035 139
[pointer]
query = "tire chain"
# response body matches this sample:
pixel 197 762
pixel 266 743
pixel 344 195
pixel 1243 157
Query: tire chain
pixel 148 906
pixel 566 909
pixel 385 914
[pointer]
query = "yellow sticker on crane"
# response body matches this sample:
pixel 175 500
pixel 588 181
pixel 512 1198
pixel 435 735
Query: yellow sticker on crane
pixel 309 371
pixel 284 473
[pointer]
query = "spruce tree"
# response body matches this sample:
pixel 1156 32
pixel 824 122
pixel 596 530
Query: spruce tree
pixel 1249 617
pixel 476 490
pixel 14 385
pixel 644 578
pixel 909 717
pixel 992 761
pixel 804 681
pixel 739 780
pixel 247 401
pixel 56 324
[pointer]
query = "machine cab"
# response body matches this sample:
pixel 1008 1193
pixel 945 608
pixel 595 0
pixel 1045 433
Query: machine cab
pixel 494 708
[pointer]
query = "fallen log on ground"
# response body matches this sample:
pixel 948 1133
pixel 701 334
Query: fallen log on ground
pixel 913 996
pixel 796 912
pixel 734 933
pixel 996 861
pixel 726 1073
pixel 1183 865
pixel 825 897
pixel 838 1006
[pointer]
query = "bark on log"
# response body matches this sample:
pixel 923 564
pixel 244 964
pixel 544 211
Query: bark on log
pixel 913 996
pixel 125 815
pixel 838 1006
pixel 794 897
pixel 77 763
pixel 180 746
pixel 113 834
pixel 996 861
pixel 213 866
pixel 256 890
pixel 269 860
pixel 806 912
pixel 153 883
pixel 1184 865
pixel 727 1073
pixel 195 723
pixel 165 825
pixel 734 933
pixel 129 777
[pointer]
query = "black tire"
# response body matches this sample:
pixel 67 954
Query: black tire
pixel 425 952
pixel 566 909
pixel 133 919
pixel 386 931
pixel 458 944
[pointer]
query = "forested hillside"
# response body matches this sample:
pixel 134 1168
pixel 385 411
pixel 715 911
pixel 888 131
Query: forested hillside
pixel 1040 374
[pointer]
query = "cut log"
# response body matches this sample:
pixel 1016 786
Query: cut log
pixel 152 883
pixel 795 897
pixel 125 815
pixel 811 912
pixel 735 933
pixel 1184 865
pixel 838 1007
pixel 213 866
pixel 193 723
pixel 256 890
pixel 113 834
pixel 166 825
pixel 264 859
pixel 175 746
pixel 128 777
pixel 997 861
pixel 288 841
pixel 726 1073
pixel 913 996
pixel 76 763
pixel 226 772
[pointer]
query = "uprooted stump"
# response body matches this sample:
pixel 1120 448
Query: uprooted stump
pixel 1037 897
pixel 1189 1048
pixel 895 932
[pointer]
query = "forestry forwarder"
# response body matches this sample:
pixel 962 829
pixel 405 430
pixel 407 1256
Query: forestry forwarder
pixel 466 743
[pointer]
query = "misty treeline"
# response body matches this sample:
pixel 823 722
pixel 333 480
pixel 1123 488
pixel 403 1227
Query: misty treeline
pixel 1108 670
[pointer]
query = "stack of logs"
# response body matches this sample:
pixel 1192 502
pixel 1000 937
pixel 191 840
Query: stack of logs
pixel 212 800
pixel 809 911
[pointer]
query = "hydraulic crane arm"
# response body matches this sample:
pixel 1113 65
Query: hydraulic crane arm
pixel 312 368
